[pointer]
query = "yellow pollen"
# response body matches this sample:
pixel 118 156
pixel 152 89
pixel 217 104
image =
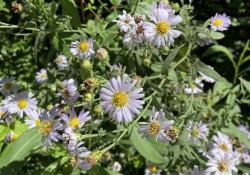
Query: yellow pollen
pixel 153 169
pixel 217 22
pixel 46 127
pixel 58 60
pixel 224 147
pixel 7 85
pixel 38 122
pixel 120 99
pixel 195 132
pixel 74 122
pixel 162 27
pixel 192 86
pixel 2 113
pixel 22 103
pixel 43 75
pixel 14 137
pixel 83 46
pixel 223 166
pixel 154 127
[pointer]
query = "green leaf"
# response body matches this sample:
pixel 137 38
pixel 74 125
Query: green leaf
pixel 115 2
pixel 154 86
pixel 202 67
pixel 51 169
pixel 217 35
pixel 110 172
pixel 220 90
pixel 14 154
pixel 246 84
pixel 239 134
pixel 145 148
pixel 156 67
pixel 169 60
pixel 244 169
pixel 69 8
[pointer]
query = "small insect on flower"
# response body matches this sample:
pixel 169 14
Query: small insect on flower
pixel 8 86
pixel 220 22
pixel 121 99
pixel 83 48
pixel 41 76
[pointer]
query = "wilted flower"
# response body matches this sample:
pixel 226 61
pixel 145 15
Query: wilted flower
pixel 69 91
pixel 194 171
pixel 83 48
pixel 91 159
pixel 220 22
pixel 35 121
pixel 8 86
pixel 41 76
pixel 10 137
pixel 61 62
pixel 121 99
pixel 193 89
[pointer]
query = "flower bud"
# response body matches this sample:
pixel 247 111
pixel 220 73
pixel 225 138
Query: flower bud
pixel 175 6
pixel 98 109
pixel 102 54
pixel 86 64
pixel 146 62
pixel 88 97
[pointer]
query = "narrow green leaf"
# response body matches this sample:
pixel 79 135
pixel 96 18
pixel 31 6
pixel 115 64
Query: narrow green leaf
pixel 244 169
pixel 156 66
pixel 169 60
pixel 202 67
pixel 15 153
pixel 154 86
pixel 246 84
pixel 145 148
pixel 217 35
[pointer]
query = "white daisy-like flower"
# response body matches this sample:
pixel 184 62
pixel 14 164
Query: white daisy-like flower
pixel 197 131
pixel 152 170
pixel 49 126
pixel 221 143
pixel 83 48
pixel 221 164
pixel 41 76
pixel 154 8
pixel 157 126
pixel 220 22
pixel 34 119
pixel 69 91
pixel 74 121
pixel 22 102
pixel 120 99
pixel 125 22
pixel 193 89
pixel 207 78
pixel 61 62
pixel 8 86
pixel 116 166
pixel 160 33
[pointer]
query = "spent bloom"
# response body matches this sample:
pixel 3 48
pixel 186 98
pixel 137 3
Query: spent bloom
pixel 125 22
pixel 22 102
pixel 8 86
pixel 74 121
pixel 161 32
pixel 10 137
pixel 34 119
pixel 61 62
pixel 69 91
pixel 41 76
pixel 83 48
pixel 121 99
pixel 220 22
pixel 157 126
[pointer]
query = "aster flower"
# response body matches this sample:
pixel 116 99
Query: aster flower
pixel 194 171
pixel 120 99
pixel 69 91
pixel 192 88
pixel 34 119
pixel 61 62
pixel 8 86
pixel 125 21
pixel 22 102
pixel 69 139
pixel 41 76
pixel 157 126
pixel 83 48
pixel 50 126
pixel 73 121
pixel 160 33
pixel 220 22
pixel 152 170
pixel 207 78
pixel 221 143
pixel 197 131
pixel 116 167
pixel 221 164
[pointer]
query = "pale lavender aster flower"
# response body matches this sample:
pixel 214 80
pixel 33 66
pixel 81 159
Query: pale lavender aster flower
pixel 220 22
pixel 83 48
pixel 160 32
pixel 22 102
pixel 152 169
pixel 61 62
pixel 221 164
pixel 121 99
pixel 8 86
pixel 50 126
pixel 69 91
pixel 156 127
pixel 41 76
pixel 34 119
pixel 73 121
pixel 125 22
pixel 193 89
pixel 221 143
pixel 197 131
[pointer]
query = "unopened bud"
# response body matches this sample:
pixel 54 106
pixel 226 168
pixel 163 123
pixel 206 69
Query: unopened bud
pixel 147 61
pixel 86 64
pixel 102 54
pixel 88 97
pixel 98 109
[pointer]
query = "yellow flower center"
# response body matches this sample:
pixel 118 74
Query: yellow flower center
pixel 7 85
pixel 2 113
pixel 192 86
pixel 22 103
pixel 83 46
pixel 58 60
pixel 14 137
pixel 153 169
pixel 162 27
pixel 46 127
pixel 38 122
pixel 43 75
pixel 223 166
pixel 120 99
pixel 217 22
pixel 224 147
pixel 154 127
pixel 195 132
pixel 74 122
